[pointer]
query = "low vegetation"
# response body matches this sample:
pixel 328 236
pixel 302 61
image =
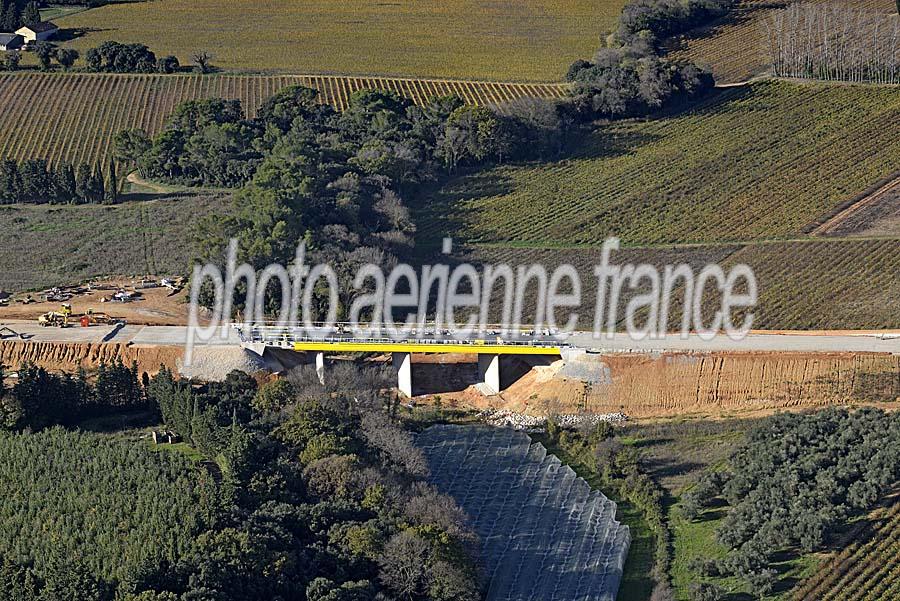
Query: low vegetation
pixel 758 162
pixel 532 40
pixel 55 245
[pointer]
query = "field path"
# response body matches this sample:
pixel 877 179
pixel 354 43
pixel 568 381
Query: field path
pixel 882 193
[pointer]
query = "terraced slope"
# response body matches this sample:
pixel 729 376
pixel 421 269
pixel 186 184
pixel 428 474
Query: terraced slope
pixel 74 117
pixel 544 533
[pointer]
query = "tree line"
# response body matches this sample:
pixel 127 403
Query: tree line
pixel 35 181
pixel 834 43
pixel 629 76
pixel 831 466
pixel 40 398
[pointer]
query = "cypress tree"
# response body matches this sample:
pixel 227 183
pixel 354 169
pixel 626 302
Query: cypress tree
pixel 111 195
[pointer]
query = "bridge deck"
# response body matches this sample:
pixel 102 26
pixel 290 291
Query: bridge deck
pixel 473 348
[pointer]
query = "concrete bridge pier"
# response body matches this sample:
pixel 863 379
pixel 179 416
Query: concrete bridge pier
pixel 489 373
pixel 403 364
pixel 320 367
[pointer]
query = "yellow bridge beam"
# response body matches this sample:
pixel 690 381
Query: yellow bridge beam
pixel 418 347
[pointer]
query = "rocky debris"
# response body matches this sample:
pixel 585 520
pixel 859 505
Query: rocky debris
pixel 531 423
pixel 213 363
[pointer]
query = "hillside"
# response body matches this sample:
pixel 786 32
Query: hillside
pixel 734 48
pixel 74 117
pixel 758 162
pixel 56 245
pixel 524 40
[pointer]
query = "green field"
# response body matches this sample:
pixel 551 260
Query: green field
pixel 759 162
pixel 514 40
pixel 106 501
pixel 56 245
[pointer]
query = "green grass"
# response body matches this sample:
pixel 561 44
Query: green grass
pixel 531 40
pixel 54 12
pixel 758 162
pixel 54 245
pixel 636 582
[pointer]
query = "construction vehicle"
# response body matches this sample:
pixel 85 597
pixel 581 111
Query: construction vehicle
pixel 61 318
pixel 55 319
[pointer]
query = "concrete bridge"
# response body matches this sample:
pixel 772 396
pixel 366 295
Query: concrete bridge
pixel 489 350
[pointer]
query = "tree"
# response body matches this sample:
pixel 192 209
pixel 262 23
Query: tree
pixel 37 186
pixel 83 180
pixel 11 60
pixel 65 183
pixel 45 52
pixel 10 182
pixel 130 145
pixel 168 64
pixel 66 57
pixel 111 195
pixel 94 59
pixel 202 60
pixel 11 19
pixel 31 15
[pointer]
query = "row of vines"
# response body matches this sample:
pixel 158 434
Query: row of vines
pixel 866 570
pixel 74 117
pixel 762 161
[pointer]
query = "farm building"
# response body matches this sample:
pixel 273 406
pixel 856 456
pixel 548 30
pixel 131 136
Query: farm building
pixel 10 41
pixel 38 32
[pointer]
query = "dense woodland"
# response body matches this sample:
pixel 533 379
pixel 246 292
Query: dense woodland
pixel 314 494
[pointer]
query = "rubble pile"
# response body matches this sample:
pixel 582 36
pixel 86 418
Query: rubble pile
pixel 531 423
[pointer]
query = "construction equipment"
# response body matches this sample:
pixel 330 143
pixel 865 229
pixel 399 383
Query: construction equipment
pixel 61 318
pixel 54 319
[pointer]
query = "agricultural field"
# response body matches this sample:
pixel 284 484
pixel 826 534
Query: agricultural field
pixel 55 245
pixel 803 284
pixel 839 284
pixel 107 500
pixel 509 40
pixel 762 161
pixel 735 47
pixel 868 568
pixel 75 117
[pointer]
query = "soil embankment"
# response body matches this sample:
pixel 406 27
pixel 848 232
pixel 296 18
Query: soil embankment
pixel 68 356
pixel 713 384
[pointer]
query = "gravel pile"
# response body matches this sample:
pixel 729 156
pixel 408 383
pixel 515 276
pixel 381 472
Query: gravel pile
pixel 530 423
pixel 213 363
